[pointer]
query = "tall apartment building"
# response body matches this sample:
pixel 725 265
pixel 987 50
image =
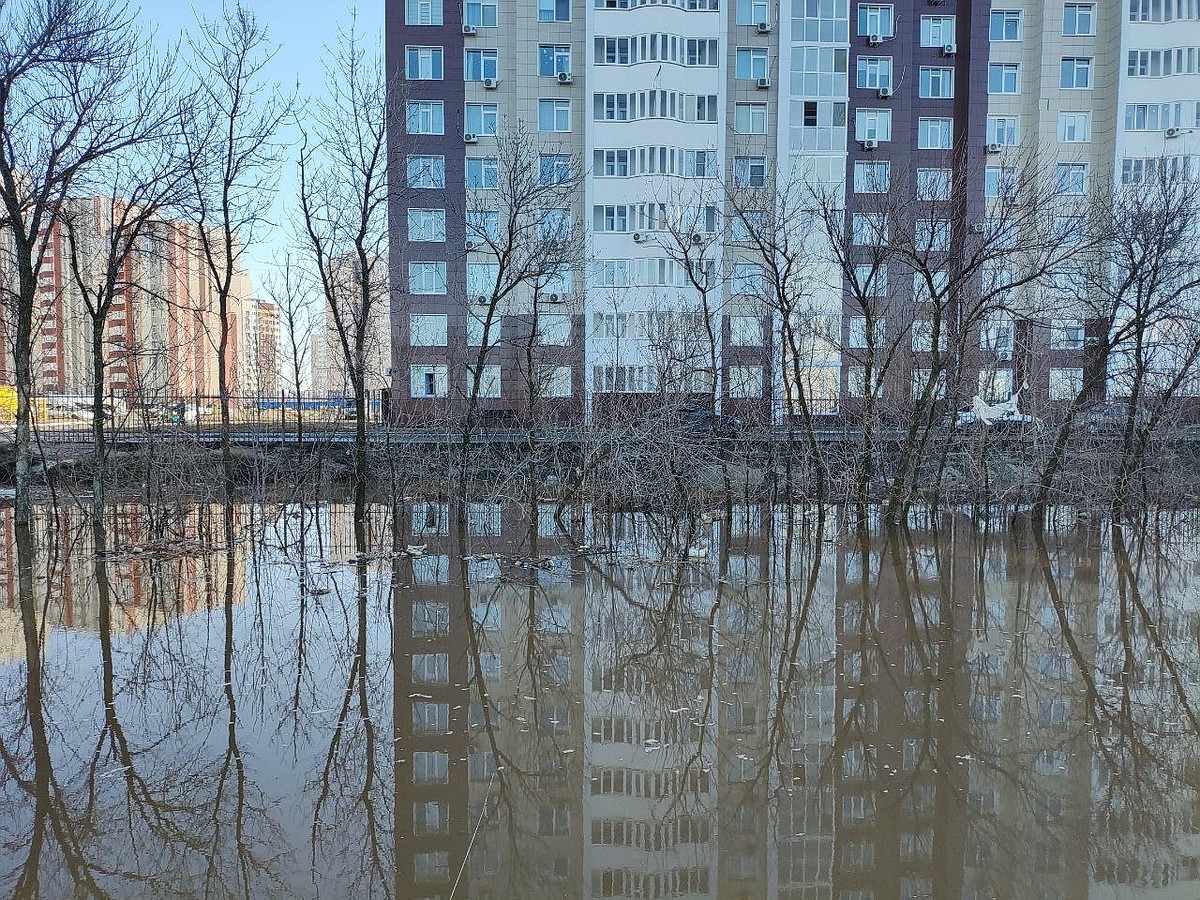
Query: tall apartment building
pixel 677 112
pixel 161 334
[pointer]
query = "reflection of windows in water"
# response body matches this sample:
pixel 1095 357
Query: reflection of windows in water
pixel 484 862
pixel 431 817
pixel 476 720
pixel 857 808
pixel 431 865
pixel 483 519
pixel 1053 712
pixel 742 768
pixel 740 668
pixel 431 570
pixel 921 706
pixel 554 618
pixel 430 718
pixel 1051 762
pixel 489 664
pixel 431 668
pixel 917 800
pixel 742 717
pixel 744 569
pixel 985 707
pixel 479 570
pixel 919 750
pixel 429 618
pixel 558 669
pixel 739 619
pixel 554 720
pixel 986 802
pixel 864 712
pixel 430 767
pixel 913 887
pixel 856 762
pixel 554 820
pixel 916 846
pixel 481 766
pixel 486 614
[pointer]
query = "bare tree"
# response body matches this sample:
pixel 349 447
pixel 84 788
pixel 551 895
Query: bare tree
pixel 112 244
pixel 300 323
pixel 343 198
pixel 76 85
pixel 1138 300
pixel 229 127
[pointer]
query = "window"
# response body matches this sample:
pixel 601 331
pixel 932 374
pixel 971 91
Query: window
pixel 489 382
pixel 745 331
pixel 430 767
pixel 1003 130
pixel 481 64
pixel 426 225
pixel 750 63
pixel 554 168
pixel 933 184
pixel 872 125
pixel 554 60
pixel 747 225
pixel 555 381
pixel 477 324
pixel 999 181
pixel 1072 230
pixel 696 163
pixel 482 279
pixel 1079 19
pixel 932 234
pixel 746 382
pixel 856 333
pixel 996 336
pixel 611 218
pixel 875 19
pixel 749 171
pixel 1066 334
pixel 856 381
pixel 874 72
pixel 921 339
pixel 554 329
pixel 751 12
pixel 937 31
pixel 750 118
pixel 423 12
pixel 431 518
pixel 427 278
pixel 931 286
pixel 934 134
pixel 1003 78
pixel 995 385
pixel 1074 127
pixel 483 225
pixel 427 171
pixel 423 63
pixel 554 225
pixel 480 13
pixel 554 10
pixel 871 177
pixel 1005 25
pixel 430 619
pixel 1071 178
pixel 481 118
pixel 1152 116
pixel 747 278
pixel 427 331
pixel 937 83
pixel 483 173
pixel 869 229
pixel 554 115
pixel 1076 72
pixel 425 117
pixel 871 280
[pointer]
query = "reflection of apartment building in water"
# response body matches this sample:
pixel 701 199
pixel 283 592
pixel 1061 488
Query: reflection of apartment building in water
pixel 173 572
pixel 676 113
pixel 654 725
pixel 161 336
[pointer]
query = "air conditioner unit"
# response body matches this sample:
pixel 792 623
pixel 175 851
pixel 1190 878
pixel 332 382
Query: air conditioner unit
pixel 950 50
pixel 471 245
pixel 554 298
pixel 994 147
pixel 764 27
pixel 491 83
pixel 470 138
pixel 885 93
pixel 470 30
pixel 978 228
pixel 481 300
pixel 565 78
pixel 638 237
pixel 870 144
pixel 1173 132
pixel 764 83
pixel 874 40
pixel 697 239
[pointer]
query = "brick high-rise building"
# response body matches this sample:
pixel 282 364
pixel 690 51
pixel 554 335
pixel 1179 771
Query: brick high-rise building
pixel 672 110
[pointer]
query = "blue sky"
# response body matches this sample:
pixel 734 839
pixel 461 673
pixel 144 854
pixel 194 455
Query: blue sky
pixel 300 29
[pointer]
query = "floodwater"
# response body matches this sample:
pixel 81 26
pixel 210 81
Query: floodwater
pixel 537 701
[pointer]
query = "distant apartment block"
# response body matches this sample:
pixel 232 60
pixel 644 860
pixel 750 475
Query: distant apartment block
pixel 161 334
